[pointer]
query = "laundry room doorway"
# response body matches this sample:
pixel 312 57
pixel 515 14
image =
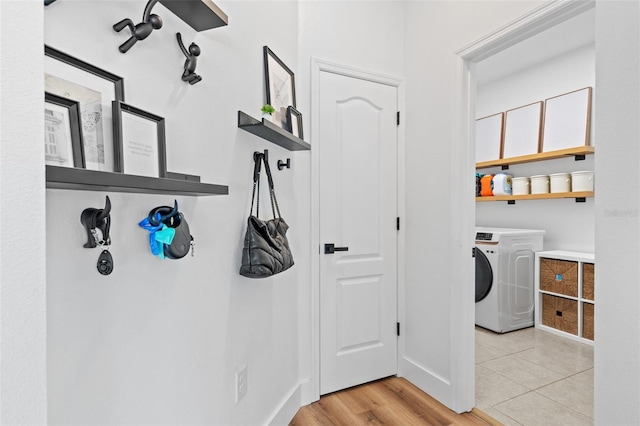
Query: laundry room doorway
pixel 548 53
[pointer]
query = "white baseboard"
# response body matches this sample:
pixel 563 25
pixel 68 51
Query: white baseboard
pixel 436 386
pixel 288 408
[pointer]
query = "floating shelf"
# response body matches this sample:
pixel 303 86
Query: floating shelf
pixel 201 15
pixel 581 150
pixel 92 180
pixel 584 194
pixel 269 131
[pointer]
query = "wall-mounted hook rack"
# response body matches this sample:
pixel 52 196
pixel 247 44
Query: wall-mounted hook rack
pixel 189 75
pixel 283 164
pixel 141 31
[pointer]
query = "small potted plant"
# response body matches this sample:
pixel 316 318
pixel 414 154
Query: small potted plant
pixel 267 110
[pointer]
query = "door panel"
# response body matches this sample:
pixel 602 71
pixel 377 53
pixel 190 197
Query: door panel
pixel 358 207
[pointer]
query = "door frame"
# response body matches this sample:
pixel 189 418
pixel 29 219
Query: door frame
pixel 538 20
pixel 311 389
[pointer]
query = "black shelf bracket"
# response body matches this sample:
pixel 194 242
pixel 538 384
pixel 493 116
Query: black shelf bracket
pixel 511 201
pixel 579 157
pixel 505 167
pixel 581 199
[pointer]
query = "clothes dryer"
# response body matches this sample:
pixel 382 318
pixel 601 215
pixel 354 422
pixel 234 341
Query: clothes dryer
pixel 505 277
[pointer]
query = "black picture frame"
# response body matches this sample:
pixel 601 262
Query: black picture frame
pixel 280 86
pixel 294 122
pixel 63 112
pixel 94 88
pixel 139 134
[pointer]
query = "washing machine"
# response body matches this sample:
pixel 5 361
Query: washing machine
pixel 505 277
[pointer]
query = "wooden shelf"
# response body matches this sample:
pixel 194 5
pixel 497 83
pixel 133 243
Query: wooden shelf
pixel 584 194
pixel 269 131
pixel 92 180
pixel 201 15
pixel 580 150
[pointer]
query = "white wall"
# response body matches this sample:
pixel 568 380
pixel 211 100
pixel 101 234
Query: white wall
pixel 23 392
pixel 159 342
pixel 569 225
pixel 617 326
pixel 435 247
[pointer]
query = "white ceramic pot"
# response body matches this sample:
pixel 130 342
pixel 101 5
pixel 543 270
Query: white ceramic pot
pixel 520 185
pixel 582 181
pixel 540 184
pixel 267 117
pixel 560 182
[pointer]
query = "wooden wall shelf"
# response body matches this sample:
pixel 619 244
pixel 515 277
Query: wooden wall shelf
pixel 584 194
pixel 269 131
pixel 201 15
pixel 92 180
pixel 581 150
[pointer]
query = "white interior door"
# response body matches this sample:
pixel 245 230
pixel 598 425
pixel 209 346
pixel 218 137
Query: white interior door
pixel 358 210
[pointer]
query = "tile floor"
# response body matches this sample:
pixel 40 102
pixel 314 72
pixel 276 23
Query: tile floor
pixel 532 377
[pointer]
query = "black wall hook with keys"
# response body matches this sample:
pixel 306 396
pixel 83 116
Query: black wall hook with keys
pixel 97 223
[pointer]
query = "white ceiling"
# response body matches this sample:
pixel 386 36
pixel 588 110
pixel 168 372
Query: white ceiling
pixel 564 37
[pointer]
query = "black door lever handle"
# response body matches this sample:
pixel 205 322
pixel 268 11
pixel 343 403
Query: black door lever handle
pixel 330 248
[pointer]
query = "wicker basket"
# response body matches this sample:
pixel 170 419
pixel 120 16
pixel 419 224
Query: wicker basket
pixel 560 313
pixel 587 281
pixel 559 276
pixel 587 320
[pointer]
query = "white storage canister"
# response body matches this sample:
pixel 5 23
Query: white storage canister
pixel 540 184
pixel 502 184
pixel 520 185
pixel 560 182
pixel 582 181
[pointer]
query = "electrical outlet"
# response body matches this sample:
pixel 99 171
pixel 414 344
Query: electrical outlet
pixel 242 384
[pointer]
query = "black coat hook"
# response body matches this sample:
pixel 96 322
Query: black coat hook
pixel 282 164
pixel 95 220
pixel 189 75
pixel 142 30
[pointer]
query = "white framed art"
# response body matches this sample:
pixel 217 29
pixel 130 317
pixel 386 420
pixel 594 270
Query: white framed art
pixel 522 130
pixel 567 120
pixel 489 132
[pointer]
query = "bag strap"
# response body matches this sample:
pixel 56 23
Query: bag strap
pixel 272 193
pixel 257 158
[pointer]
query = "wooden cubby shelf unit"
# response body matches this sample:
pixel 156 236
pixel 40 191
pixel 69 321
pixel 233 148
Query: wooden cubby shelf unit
pixel 585 194
pixel 571 298
pixel 578 151
pixel 272 133
pixel 92 180
pixel 201 15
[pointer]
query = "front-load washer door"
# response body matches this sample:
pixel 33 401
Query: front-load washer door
pixel 484 275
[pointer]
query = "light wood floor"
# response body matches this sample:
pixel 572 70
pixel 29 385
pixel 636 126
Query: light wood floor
pixel 390 401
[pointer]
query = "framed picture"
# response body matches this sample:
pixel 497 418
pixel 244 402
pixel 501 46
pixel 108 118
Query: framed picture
pixel 94 89
pixel 489 137
pixel 294 120
pixel 567 120
pixel 62 132
pixel 522 131
pixel 139 141
pixel 280 87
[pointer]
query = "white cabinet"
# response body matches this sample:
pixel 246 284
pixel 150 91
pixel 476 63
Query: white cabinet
pixel 564 296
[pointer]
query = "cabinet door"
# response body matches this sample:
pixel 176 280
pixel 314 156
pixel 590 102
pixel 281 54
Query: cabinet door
pixel 560 313
pixel 559 276
pixel 588 290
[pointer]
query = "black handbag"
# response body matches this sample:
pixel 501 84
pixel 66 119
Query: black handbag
pixel 266 249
